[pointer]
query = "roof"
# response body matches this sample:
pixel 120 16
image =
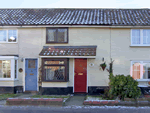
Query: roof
pixel 68 51
pixel 58 16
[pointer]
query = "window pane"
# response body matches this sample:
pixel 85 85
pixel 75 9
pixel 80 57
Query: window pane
pixel 136 70
pixel 6 68
pixel 3 35
pixel 31 63
pixel 15 68
pixel 62 35
pixel 146 70
pixel 135 36
pixel 146 36
pixel 12 35
pixel 51 33
pixel 54 62
pixel 1 72
pixel 55 72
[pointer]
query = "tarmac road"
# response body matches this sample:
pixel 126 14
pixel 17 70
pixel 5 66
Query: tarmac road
pixel 73 109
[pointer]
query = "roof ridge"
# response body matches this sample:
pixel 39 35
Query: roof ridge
pixel 79 8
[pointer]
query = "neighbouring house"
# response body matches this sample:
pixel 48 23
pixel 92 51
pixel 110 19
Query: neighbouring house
pixel 59 51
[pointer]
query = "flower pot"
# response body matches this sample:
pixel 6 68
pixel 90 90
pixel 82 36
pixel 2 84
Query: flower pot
pixel 103 67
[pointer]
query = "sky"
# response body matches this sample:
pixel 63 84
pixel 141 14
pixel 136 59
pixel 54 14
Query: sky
pixel 74 3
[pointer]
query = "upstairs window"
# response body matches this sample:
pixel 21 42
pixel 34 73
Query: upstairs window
pixel 56 35
pixel 140 37
pixel 9 36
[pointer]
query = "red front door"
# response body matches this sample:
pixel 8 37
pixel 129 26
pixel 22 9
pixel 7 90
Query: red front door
pixel 80 76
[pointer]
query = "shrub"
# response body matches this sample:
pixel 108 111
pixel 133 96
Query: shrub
pixel 123 86
pixel 107 95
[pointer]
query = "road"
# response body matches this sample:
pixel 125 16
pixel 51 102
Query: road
pixel 73 109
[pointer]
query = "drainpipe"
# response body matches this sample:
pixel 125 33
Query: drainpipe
pixel 110 43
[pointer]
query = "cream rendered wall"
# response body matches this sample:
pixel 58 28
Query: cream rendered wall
pixel 32 40
pixel 123 53
pixel 8 48
pixel 6 83
pixel 85 37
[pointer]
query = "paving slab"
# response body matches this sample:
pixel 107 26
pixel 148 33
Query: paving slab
pixel 75 100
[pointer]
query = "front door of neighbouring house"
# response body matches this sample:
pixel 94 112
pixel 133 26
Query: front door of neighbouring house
pixel 31 75
pixel 80 76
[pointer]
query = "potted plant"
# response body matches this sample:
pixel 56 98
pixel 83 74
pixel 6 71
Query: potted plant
pixel 103 65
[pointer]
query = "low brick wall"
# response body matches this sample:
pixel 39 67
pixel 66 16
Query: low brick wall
pixel 35 101
pixel 101 102
pixel 117 103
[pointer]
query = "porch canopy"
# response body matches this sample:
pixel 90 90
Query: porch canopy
pixel 69 51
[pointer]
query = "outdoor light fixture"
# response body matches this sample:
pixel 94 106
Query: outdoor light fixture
pixel 21 59
pixel 103 59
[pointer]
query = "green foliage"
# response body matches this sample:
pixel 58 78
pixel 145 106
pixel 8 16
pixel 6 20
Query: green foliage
pixel 107 95
pixel 123 87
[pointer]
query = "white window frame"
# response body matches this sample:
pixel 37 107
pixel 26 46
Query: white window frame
pixel 16 70
pixel 12 58
pixel 141 38
pixel 141 69
pixel 8 35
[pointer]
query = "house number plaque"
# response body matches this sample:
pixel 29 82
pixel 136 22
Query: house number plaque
pixel 31 74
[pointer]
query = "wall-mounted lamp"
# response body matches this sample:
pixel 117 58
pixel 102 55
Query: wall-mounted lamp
pixel 103 59
pixel 21 59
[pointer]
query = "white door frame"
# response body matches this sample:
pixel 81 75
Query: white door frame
pixel 86 75
pixel 24 60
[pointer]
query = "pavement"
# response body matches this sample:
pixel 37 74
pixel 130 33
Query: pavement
pixel 3 102
pixel 75 101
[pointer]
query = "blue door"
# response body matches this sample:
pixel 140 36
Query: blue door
pixel 31 75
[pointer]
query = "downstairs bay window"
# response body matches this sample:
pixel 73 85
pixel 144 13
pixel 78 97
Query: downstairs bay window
pixel 55 70
pixel 140 69
pixel 8 67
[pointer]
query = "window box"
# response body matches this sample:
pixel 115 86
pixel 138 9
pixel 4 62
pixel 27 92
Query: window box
pixel 55 70
pixel 56 35
pixel 140 37
pixel 8 67
pixel 8 36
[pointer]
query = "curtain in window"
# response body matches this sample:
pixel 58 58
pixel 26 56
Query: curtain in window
pixel 55 72
pixel 1 73
pixel 3 35
pixel 12 35
pixel 146 36
pixel 135 36
pixel 5 71
pixel 136 70
pixel 51 34
pixel 62 35
pixel 146 70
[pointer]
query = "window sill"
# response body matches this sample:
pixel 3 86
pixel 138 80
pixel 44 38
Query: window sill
pixel 139 45
pixel 143 80
pixel 16 79
pixel 54 81
pixel 56 42
pixel 8 42
pixel 6 80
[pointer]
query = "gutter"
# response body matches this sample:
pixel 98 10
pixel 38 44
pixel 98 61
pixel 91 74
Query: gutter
pixel 79 26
